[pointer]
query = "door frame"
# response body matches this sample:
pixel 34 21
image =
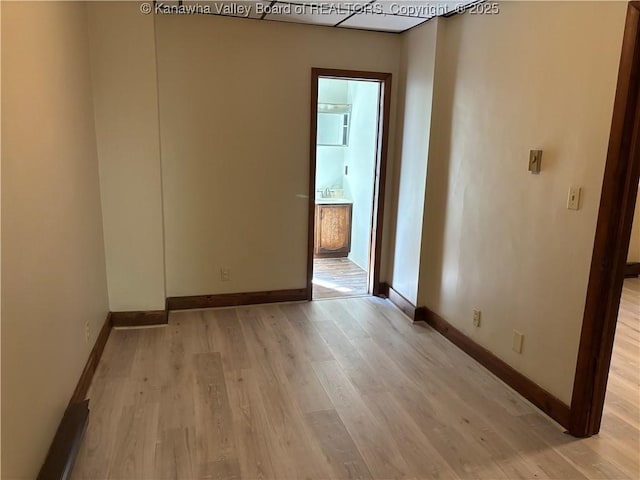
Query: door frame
pixel 382 146
pixel 611 244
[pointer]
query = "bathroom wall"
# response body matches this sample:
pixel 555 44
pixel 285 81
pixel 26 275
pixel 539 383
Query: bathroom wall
pixel 330 159
pixel 360 158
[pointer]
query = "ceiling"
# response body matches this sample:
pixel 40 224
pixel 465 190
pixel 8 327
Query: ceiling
pixel 379 15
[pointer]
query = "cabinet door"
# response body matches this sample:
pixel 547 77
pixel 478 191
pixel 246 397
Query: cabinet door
pixel 333 230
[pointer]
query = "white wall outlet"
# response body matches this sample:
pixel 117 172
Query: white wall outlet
pixel 477 316
pixel 87 331
pixel 518 339
pixel 573 200
pixel 225 274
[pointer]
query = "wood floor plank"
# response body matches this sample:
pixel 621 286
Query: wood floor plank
pixel 307 337
pixel 176 443
pixel 342 317
pixel 382 456
pixel 582 457
pixel 216 448
pixel 134 456
pixel 100 440
pixel 225 335
pixel 256 456
pixel 396 325
pixel 287 429
pixel 118 354
pixel 358 371
pixel 338 446
pixel 303 383
pixel 247 413
pixel 412 362
pixel 405 394
pixel 413 444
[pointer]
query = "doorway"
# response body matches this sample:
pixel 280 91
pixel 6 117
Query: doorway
pixel 348 154
pixel 612 240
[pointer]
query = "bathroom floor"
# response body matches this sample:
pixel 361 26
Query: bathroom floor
pixel 338 277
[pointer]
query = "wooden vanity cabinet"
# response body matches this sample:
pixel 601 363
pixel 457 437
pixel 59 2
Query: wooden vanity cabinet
pixel 333 230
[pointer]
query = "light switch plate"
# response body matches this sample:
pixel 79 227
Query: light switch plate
pixel 573 200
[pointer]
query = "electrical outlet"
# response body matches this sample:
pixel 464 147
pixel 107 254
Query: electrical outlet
pixel 477 315
pixel 87 331
pixel 518 339
pixel 225 274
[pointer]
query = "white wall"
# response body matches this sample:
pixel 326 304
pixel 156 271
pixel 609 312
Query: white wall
pixel 330 159
pixel 123 61
pixel 360 158
pixel 234 123
pixel 53 264
pixel 497 238
pixel 414 124
pixel 329 167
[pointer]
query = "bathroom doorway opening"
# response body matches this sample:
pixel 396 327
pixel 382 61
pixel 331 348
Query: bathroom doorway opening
pixel 348 152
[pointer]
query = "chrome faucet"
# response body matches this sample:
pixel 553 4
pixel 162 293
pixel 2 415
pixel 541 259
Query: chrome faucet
pixel 326 193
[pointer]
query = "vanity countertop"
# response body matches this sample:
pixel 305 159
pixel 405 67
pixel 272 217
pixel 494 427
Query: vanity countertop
pixel 333 201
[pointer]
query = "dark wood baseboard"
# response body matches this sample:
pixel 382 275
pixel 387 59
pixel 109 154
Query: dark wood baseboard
pixel 139 319
pixel 90 367
pixel 416 314
pixel 236 299
pixel 542 399
pixel 420 315
pixel 331 255
pixel 68 438
pixel 66 443
pixel 408 308
pixel 632 270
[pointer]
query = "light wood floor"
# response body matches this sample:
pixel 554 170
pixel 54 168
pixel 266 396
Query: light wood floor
pixel 621 414
pixel 338 277
pixel 342 388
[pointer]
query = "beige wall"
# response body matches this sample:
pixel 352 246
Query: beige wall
pixel 53 266
pixel 497 238
pixel 634 244
pixel 234 123
pixel 123 61
pixel 414 123
pixel 0 248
